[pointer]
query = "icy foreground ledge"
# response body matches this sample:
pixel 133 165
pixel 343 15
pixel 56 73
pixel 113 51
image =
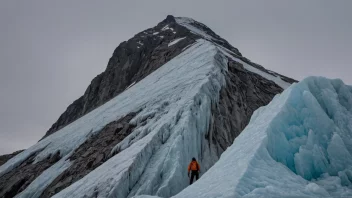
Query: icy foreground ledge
pixel 299 145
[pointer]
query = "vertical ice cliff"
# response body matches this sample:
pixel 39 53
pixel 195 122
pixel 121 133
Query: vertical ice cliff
pixel 297 146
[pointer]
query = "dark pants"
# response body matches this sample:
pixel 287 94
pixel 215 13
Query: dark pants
pixel 193 173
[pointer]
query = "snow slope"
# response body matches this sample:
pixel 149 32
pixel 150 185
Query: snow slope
pixel 153 161
pixel 299 145
pixel 176 101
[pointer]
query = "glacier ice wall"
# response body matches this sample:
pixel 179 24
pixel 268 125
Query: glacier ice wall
pixel 297 146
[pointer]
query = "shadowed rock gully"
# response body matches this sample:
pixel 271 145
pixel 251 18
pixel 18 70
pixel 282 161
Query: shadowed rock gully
pixel 19 178
pixel 244 93
pixel 91 154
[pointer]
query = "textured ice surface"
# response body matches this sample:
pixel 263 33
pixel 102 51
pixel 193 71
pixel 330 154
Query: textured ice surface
pixel 153 158
pixel 299 145
pixel 176 101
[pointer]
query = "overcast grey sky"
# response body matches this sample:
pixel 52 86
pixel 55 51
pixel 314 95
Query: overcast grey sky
pixel 50 51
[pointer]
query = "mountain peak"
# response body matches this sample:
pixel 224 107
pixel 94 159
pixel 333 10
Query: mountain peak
pixel 143 53
pixel 171 92
pixel 170 18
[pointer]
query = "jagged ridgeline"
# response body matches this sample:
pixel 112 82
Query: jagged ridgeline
pixel 170 93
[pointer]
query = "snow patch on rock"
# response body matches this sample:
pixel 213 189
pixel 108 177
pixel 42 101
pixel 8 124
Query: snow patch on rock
pixel 175 41
pixel 187 23
pixel 167 28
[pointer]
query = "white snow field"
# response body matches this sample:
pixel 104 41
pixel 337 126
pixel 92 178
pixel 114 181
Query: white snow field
pixel 299 145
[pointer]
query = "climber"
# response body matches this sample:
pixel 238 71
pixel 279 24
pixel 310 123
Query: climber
pixel 194 168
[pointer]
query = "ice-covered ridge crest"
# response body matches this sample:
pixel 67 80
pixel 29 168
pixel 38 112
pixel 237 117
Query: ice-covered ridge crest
pixel 199 29
pixel 70 137
pixel 151 163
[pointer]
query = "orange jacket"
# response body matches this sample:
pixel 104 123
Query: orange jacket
pixel 194 166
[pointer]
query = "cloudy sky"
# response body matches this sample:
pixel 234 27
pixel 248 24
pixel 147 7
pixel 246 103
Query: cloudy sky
pixel 50 51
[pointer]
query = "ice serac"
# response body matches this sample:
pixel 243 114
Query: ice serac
pixel 172 92
pixel 297 146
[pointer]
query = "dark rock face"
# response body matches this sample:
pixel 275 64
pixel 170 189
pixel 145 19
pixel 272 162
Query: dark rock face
pixel 216 38
pixel 285 78
pixel 19 178
pixel 131 62
pixel 91 154
pixel 244 93
pixel 5 158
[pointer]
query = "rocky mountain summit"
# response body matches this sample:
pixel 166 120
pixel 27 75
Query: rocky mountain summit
pixel 137 58
pixel 171 92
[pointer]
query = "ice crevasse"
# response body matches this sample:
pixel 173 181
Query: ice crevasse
pixel 299 145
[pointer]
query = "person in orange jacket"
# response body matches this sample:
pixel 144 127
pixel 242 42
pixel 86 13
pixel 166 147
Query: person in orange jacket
pixel 194 168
